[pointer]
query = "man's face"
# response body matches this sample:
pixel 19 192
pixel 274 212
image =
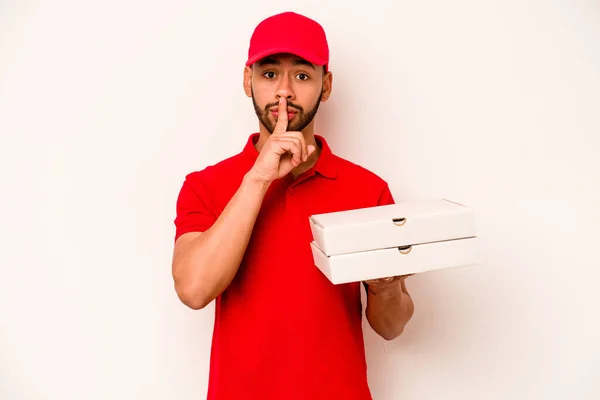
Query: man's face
pixel 298 81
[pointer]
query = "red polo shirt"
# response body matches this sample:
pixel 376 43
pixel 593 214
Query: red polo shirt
pixel 282 330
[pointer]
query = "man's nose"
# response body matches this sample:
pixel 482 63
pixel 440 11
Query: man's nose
pixel 285 88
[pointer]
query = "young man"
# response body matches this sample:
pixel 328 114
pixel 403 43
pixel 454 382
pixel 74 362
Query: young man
pixel 282 330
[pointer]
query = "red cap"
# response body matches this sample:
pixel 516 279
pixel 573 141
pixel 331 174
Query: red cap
pixel 292 33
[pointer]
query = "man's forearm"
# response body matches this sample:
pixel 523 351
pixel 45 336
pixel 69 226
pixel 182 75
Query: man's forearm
pixel 389 309
pixel 209 263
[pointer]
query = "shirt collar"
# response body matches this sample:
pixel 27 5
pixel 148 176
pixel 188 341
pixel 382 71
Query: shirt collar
pixel 324 166
pixel 326 163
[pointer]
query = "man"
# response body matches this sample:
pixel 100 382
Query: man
pixel 282 330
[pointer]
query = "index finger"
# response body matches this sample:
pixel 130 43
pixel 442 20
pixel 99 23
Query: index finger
pixel 282 116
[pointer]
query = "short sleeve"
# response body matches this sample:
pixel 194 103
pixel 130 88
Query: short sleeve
pixel 196 210
pixel 385 198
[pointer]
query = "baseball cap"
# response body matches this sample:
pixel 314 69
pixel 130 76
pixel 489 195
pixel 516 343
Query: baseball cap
pixel 292 33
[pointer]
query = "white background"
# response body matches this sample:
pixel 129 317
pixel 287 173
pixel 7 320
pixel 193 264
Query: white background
pixel 105 106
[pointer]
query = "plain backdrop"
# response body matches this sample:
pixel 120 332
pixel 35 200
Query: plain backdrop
pixel 105 106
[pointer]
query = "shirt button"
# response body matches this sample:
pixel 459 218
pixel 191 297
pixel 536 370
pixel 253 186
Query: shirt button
pixel 291 190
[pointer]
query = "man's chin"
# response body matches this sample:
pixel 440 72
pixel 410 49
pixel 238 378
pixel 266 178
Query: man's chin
pixel 270 122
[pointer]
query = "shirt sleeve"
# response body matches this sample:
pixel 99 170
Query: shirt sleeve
pixel 195 208
pixel 386 198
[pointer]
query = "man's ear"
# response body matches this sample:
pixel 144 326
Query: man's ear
pixel 248 80
pixel 327 86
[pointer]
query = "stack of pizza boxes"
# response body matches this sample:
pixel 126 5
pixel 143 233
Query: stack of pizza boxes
pixel 405 238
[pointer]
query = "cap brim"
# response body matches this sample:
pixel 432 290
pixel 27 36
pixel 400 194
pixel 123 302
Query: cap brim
pixel 312 58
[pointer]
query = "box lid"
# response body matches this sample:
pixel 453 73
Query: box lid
pixel 401 224
pixel 375 214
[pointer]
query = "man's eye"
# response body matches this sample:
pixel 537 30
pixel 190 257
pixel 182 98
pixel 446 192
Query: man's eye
pixel 302 77
pixel 269 75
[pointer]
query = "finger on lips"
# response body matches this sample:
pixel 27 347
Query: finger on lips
pixel 282 117
pixel 282 125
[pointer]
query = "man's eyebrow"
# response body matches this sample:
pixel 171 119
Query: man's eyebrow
pixel 301 61
pixel 269 61
pixel 274 61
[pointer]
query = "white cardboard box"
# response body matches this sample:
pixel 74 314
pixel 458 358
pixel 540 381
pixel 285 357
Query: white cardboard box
pixel 355 267
pixel 398 239
pixel 401 224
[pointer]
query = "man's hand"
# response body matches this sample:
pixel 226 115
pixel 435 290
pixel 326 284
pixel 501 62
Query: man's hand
pixel 386 285
pixel 283 151
pixel 389 306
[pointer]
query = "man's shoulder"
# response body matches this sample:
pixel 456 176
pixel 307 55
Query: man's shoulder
pixel 357 173
pixel 221 171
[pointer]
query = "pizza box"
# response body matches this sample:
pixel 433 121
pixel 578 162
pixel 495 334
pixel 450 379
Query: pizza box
pixel 394 261
pixel 390 226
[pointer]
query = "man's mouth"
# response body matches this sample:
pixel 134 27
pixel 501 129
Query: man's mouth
pixel 291 114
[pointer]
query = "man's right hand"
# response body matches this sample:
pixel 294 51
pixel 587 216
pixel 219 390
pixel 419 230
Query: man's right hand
pixel 283 151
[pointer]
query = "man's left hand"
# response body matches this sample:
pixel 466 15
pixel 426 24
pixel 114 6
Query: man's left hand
pixel 384 284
